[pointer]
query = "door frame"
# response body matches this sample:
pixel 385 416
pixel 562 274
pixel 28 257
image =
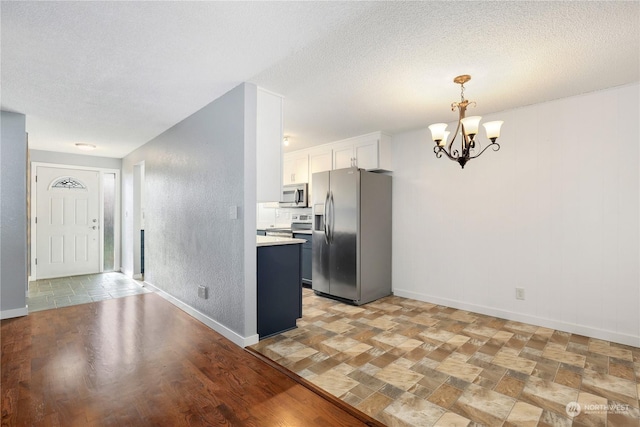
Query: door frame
pixel 116 225
pixel 139 172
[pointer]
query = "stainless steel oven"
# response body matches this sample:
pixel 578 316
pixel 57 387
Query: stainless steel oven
pixel 294 196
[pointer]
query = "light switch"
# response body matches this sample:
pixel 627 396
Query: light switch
pixel 233 212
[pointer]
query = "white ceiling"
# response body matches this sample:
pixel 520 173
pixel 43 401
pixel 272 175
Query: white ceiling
pixel 116 74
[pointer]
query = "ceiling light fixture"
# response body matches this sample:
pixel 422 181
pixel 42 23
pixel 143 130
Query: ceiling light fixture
pixel 469 127
pixel 285 141
pixel 85 147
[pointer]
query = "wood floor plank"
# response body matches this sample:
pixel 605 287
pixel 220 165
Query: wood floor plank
pixel 141 361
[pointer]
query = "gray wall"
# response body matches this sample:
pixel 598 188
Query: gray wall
pixel 194 173
pixel 75 159
pixel 13 215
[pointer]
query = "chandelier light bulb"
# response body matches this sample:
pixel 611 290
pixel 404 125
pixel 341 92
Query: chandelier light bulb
pixel 437 131
pixel 445 139
pixel 470 125
pixel 493 129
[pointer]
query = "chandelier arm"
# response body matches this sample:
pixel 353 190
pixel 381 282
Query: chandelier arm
pixel 455 135
pixel 495 146
pixel 461 109
pixel 439 150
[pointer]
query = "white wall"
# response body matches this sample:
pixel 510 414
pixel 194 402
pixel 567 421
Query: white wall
pixel 13 215
pixel 75 159
pixel 194 172
pixel 555 211
pixel 271 215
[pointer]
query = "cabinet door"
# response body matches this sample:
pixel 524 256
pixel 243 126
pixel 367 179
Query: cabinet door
pixel 301 169
pixel 319 162
pixel 306 257
pixel 343 157
pixel 366 154
pixel 295 169
pixel 268 146
pixel 288 170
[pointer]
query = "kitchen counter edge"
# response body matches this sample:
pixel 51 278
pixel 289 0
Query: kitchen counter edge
pixel 274 240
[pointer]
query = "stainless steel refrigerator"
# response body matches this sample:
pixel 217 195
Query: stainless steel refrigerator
pixel 351 235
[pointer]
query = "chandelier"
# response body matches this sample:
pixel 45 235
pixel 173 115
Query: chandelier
pixel 470 148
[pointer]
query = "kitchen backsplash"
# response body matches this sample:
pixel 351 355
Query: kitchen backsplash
pixel 272 215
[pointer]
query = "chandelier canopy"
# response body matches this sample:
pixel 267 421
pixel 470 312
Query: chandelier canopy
pixel 467 128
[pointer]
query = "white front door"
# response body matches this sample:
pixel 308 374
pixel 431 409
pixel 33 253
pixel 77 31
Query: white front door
pixel 67 222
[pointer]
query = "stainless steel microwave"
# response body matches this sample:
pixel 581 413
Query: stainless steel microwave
pixel 295 196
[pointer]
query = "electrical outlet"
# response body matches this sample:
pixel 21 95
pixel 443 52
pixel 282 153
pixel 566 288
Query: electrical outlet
pixel 202 292
pixel 520 293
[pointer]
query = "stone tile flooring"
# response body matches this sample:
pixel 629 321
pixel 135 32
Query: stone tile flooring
pixel 411 363
pixel 46 294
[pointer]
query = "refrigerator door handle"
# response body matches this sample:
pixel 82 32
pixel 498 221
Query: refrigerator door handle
pixel 332 212
pixel 325 219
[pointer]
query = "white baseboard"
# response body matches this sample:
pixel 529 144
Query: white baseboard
pixel 525 318
pixel 212 323
pixel 16 312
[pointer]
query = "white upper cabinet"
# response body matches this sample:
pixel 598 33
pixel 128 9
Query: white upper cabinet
pixel 343 156
pixel 370 152
pixel 269 131
pixel 320 160
pixel 295 168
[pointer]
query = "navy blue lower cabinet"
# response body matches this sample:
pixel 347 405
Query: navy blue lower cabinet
pixel 279 290
pixel 306 257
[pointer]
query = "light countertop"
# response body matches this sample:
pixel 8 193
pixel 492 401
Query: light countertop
pixel 274 240
pixel 303 232
pixel 271 227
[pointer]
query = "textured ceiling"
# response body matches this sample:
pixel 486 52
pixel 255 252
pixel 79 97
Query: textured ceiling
pixel 116 74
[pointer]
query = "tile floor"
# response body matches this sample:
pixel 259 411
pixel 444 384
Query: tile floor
pixel 46 294
pixel 410 363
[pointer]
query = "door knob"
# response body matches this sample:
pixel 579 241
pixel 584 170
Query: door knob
pixel 94 227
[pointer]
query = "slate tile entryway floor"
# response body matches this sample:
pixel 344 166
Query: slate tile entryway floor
pixel 46 294
pixel 411 363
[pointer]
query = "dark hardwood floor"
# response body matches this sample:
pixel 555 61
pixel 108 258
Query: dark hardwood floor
pixel 140 361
